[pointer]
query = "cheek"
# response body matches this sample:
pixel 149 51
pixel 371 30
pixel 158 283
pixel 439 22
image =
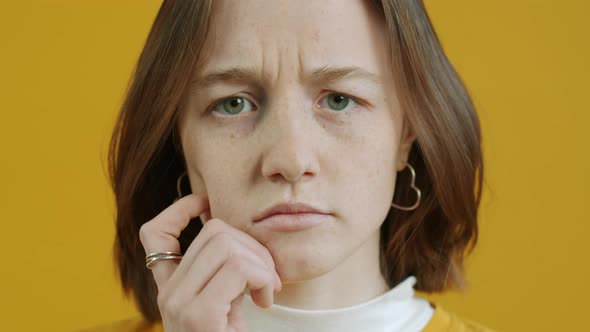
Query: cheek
pixel 370 177
pixel 220 166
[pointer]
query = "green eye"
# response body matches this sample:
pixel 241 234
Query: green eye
pixel 233 105
pixel 337 101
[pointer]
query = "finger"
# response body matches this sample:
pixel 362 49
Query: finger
pixel 232 279
pixel 218 250
pixel 161 233
pixel 216 226
pixel 234 317
pixel 208 318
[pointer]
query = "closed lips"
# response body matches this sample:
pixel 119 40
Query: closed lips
pixel 288 208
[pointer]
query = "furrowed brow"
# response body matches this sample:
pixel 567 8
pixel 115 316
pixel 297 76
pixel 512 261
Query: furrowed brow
pixel 333 74
pixel 228 75
pixel 325 74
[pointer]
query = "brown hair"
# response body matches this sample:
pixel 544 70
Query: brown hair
pixel 145 158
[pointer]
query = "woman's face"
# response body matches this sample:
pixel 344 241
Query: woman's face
pixel 294 100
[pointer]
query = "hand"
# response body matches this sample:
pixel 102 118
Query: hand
pixel 204 290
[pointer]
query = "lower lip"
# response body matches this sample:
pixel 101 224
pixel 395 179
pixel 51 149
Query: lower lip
pixel 292 221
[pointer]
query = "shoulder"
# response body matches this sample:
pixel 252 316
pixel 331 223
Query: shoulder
pixel 128 325
pixel 442 320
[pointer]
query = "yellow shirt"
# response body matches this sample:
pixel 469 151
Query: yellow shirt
pixel 441 321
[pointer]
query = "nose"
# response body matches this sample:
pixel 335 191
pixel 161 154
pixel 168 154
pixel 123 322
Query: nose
pixel 288 136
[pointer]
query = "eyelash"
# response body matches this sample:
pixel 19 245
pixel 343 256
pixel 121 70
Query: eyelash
pixel 357 101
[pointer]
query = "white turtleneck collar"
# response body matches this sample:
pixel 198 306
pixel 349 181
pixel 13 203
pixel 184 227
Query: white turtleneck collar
pixel 395 310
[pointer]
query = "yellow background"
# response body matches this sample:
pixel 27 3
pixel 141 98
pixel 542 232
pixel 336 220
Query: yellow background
pixel 64 67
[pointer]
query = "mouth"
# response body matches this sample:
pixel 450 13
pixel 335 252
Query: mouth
pixel 288 217
pixel 290 222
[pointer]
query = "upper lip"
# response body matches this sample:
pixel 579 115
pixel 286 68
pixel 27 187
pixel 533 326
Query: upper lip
pixel 288 208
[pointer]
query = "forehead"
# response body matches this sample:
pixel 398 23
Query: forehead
pixel 282 35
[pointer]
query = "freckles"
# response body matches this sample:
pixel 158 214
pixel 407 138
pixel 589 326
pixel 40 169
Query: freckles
pixel 342 135
pixel 316 36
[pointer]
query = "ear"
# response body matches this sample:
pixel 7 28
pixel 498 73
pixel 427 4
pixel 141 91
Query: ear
pixel 405 145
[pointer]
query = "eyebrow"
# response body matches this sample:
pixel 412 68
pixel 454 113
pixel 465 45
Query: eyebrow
pixel 325 74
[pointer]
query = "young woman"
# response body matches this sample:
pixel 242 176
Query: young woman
pixel 334 159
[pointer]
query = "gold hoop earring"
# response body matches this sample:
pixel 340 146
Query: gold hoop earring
pixel 412 186
pixel 178 183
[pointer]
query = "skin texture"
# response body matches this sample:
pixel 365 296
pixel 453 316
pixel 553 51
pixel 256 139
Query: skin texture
pixel 289 144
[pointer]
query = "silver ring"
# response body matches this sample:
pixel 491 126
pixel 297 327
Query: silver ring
pixel 170 253
pixel 152 258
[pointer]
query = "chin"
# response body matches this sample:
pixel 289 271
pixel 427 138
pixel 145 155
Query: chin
pixel 302 262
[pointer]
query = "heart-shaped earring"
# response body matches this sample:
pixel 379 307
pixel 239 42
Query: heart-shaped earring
pixel 412 186
pixel 178 183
